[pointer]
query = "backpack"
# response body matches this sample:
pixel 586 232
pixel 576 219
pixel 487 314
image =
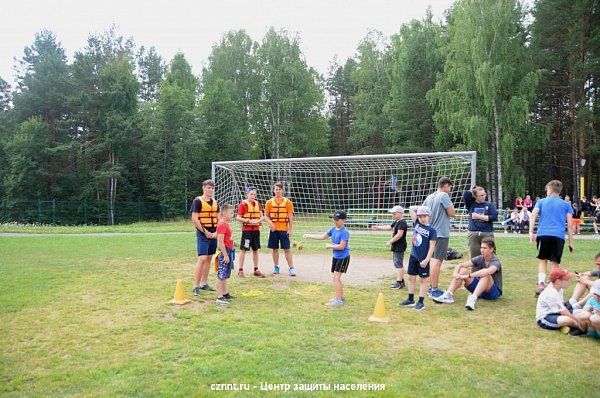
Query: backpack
pixel 452 254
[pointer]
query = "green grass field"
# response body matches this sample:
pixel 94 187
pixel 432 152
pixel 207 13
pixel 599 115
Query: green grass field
pixel 89 316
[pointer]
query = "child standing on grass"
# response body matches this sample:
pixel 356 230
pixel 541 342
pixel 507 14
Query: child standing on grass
pixel 341 254
pixel 423 246
pixel 397 243
pixel 227 255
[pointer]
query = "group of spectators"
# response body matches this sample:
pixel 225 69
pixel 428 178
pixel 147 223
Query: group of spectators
pixel 517 220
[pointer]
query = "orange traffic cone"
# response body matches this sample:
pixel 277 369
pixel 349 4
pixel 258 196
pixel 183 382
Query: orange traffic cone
pixel 179 297
pixel 379 314
pixel 216 260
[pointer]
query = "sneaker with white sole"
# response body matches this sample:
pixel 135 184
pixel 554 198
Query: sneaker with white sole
pixel 292 271
pixel 446 298
pixel 407 303
pixel 471 299
pixel 276 269
pixel 196 291
pixel 419 307
pixel 436 293
pixel 335 303
pixel 222 301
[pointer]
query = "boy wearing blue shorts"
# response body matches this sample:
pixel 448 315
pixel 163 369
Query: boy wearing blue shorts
pixel 341 254
pixel 423 245
pixel 205 216
pixel 279 214
pixel 482 276
pixel 227 255
pixel 550 312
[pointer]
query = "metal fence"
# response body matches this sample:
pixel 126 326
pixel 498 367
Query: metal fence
pixel 96 212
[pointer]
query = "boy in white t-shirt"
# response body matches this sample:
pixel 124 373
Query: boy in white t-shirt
pixel 551 313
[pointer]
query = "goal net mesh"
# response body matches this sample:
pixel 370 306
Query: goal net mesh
pixel 366 187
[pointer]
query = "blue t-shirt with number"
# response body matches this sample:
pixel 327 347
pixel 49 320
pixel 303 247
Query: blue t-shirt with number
pixel 421 238
pixel 553 216
pixel 337 236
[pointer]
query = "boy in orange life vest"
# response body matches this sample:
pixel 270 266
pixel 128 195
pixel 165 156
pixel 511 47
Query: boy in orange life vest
pixel 250 215
pixel 279 214
pixel 205 211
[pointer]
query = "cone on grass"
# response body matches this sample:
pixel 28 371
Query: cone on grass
pixel 179 297
pixel 379 313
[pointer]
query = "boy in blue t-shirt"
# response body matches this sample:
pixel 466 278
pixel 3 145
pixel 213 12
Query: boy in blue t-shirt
pixel 423 245
pixel 554 213
pixel 341 254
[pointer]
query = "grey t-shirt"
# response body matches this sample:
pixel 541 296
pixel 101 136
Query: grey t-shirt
pixel 438 202
pixel 479 263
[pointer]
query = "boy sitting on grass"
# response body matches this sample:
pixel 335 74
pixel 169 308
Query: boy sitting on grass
pixel 584 282
pixel 589 315
pixel 423 245
pixel 341 254
pixel 227 255
pixel 551 313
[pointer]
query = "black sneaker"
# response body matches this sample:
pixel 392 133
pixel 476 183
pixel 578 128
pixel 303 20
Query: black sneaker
pixel 196 291
pixel 402 284
pixel 395 285
pixel 407 303
pixel 207 288
pixel 228 296
pixel 222 301
pixel 577 332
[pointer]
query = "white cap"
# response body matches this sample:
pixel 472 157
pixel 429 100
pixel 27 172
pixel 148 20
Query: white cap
pixel 595 287
pixel 396 209
pixel 423 211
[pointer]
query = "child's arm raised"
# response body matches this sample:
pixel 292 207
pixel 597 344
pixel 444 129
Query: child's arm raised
pixel 315 236
pixel 412 211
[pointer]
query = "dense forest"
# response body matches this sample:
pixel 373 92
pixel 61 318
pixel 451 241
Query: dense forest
pixel 119 123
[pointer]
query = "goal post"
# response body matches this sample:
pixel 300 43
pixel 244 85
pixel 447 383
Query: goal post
pixel 364 186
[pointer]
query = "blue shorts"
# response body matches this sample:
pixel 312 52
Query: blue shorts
pixel 491 294
pixel 206 247
pixel 277 237
pixel 414 268
pixel 549 322
pixel 224 270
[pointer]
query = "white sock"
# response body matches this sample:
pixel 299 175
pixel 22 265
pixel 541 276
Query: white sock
pixel 541 277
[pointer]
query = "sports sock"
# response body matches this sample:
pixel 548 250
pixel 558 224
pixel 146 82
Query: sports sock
pixel 541 277
pixel 421 298
pixel 411 296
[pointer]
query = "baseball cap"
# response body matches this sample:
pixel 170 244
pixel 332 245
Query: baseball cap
pixel 595 287
pixel 250 188
pixel 396 209
pixel 423 211
pixel 560 273
pixel 339 214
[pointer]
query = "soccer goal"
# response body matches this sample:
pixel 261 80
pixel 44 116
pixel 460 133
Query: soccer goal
pixel 364 186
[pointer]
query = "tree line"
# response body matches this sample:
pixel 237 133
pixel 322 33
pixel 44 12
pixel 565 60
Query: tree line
pixel 120 123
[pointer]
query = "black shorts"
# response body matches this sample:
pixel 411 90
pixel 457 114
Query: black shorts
pixel 414 268
pixel 550 248
pixel 340 265
pixel 250 240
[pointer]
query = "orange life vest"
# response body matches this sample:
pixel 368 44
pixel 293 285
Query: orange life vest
pixel 252 213
pixel 208 214
pixel 278 212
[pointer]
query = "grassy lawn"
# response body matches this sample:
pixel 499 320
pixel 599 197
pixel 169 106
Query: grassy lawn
pixel 89 316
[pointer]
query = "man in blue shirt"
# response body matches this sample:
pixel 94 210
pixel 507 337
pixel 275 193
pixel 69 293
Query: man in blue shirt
pixel 482 214
pixel 554 212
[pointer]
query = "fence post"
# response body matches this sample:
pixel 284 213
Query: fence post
pixel 53 211
pixel 85 211
pixel 39 211
pixel 139 210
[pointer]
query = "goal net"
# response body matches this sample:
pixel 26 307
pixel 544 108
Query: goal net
pixel 366 187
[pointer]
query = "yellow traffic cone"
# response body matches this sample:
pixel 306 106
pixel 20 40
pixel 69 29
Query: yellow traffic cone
pixel 179 297
pixel 379 314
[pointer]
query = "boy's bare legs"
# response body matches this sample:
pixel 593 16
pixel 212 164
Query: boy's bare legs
pixel 242 257
pixel 435 267
pixel 275 254
pixel 205 267
pixel 199 270
pixel 221 287
pixel 423 288
pixel 255 258
pixel 288 257
pixel 337 285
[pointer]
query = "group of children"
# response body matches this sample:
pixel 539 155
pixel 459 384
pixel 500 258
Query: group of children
pixel 480 275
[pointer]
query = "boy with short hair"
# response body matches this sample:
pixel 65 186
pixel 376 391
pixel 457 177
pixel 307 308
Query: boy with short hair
pixel 589 315
pixel 341 254
pixel 550 312
pixel 423 245
pixel 584 282
pixel 205 211
pixel 279 213
pixel 250 214
pixel 397 243
pixel 227 255
pixel 554 213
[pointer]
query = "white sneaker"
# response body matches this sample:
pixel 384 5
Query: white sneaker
pixel 446 298
pixel 471 299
